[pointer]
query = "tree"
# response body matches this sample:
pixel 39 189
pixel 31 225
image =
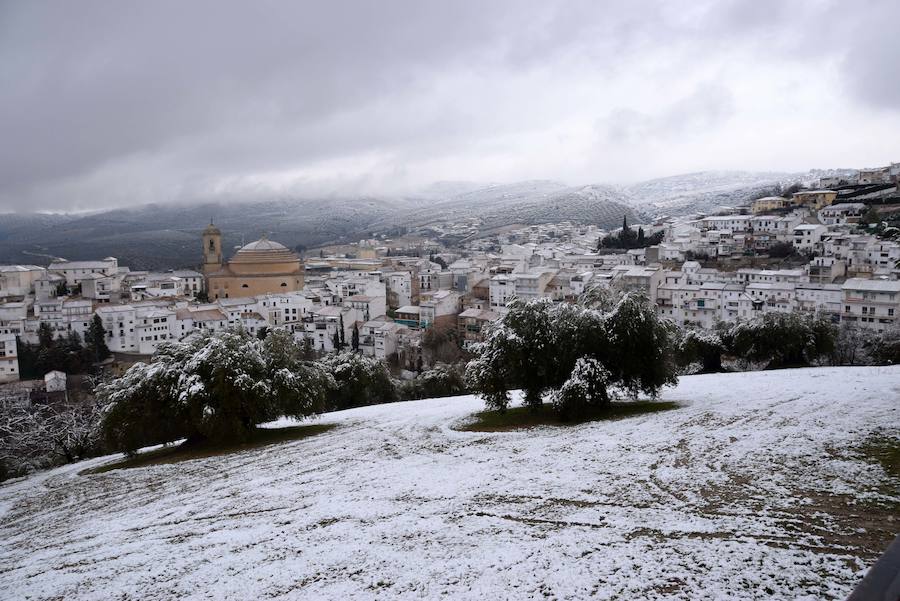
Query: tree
pixel 202 296
pixel 782 340
pixel 703 347
pixel 441 381
pixel 217 386
pixel 96 340
pixel 354 339
pixel 62 289
pixel 39 436
pixel 586 387
pixel 341 330
pixel 336 341
pixel 537 345
pixel 359 380
pixel 886 350
pixel 780 250
pixel 640 237
pixel 791 190
pixel 262 332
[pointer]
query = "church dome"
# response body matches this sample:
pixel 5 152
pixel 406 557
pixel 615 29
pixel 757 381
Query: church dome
pixel 263 244
pixel 264 255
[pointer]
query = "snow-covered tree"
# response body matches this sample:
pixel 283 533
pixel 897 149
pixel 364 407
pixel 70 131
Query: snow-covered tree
pixel 586 387
pixel 537 345
pixel 886 348
pixel 701 347
pixel 782 339
pixel 216 386
pixel 440 381
pixel 35 436
pixel 359 380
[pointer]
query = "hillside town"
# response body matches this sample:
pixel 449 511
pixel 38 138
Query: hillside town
pixel 829 250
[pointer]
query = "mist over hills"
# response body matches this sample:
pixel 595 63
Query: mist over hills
pixel 161 236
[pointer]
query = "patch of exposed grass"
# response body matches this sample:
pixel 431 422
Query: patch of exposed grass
pixel 185 451
pixel 518 418
pixel 883 449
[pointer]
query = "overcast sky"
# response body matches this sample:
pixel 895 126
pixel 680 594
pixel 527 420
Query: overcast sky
pixel 119 103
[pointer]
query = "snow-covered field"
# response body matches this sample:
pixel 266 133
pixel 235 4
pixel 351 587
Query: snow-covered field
pixel 750 490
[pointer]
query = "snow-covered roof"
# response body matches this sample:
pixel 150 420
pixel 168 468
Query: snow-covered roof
pixel 872 285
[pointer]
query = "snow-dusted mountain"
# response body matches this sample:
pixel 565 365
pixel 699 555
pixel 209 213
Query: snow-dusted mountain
pixel 705 191
pixel 529 202
pixel 165 236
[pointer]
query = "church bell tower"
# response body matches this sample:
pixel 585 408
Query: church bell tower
pixel 212 249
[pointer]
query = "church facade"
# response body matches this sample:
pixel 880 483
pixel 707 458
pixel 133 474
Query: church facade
pixel 261 267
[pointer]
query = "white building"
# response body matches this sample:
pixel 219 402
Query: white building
pixel 439 309
pixel 119 324
pixel 808 235
pixel 75 271
pixel 843 213
pixel 18 280
pixel 9 361
pixel 153 327
pixel 873 304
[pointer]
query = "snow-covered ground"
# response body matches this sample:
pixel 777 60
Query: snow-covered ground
pixel 750 490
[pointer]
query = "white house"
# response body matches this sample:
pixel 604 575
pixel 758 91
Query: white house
pixel 808 235
pixel 873 304
pixel 18 280
pixel 75 271
pixel 9 361
pixel 55 381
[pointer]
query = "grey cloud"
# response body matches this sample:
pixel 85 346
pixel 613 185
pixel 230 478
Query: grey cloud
pixel 107 102
pixel 708 106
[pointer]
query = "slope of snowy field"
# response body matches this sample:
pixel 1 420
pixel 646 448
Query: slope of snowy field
pixel 752 489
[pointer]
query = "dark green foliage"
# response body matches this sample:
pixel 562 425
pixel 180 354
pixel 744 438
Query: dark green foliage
pixel 886 349
pixel 628 238
pixel 791 190
pixel 95 338
pixel 217 387
pixel 705 348
pixel 586 388
pixel 63 353
pixel 441 381
pixel 537 345
pixel 358 381
pixel 780 250
pixel 782 340
pixel 354 339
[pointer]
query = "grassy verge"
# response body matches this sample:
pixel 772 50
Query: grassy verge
pixel 523 417
pixel 185 451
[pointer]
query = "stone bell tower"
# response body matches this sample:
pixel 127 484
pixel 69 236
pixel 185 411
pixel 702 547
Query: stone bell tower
pixel 212 249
